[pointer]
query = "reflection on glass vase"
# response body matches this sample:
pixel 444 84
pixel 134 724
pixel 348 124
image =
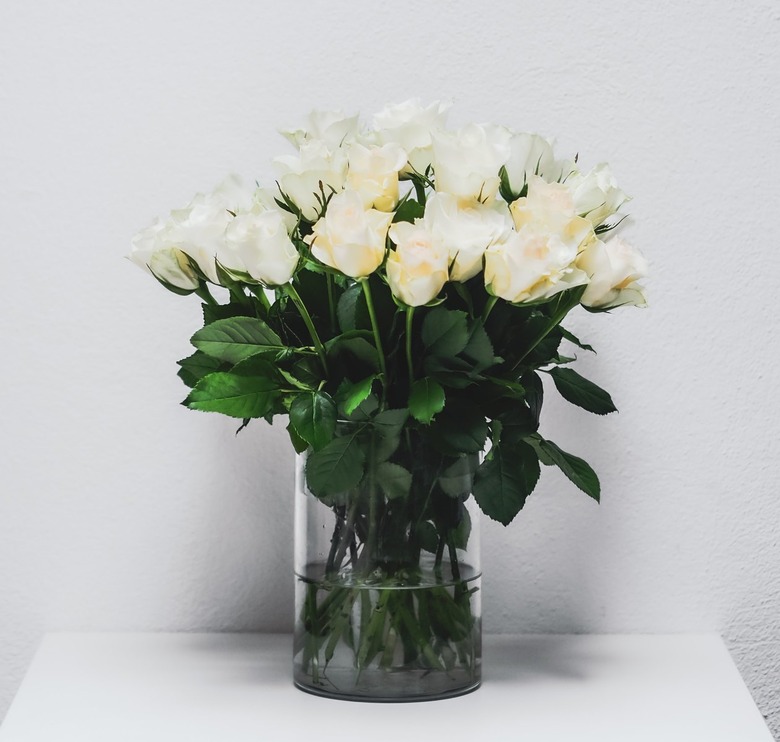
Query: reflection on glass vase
pixel 387 601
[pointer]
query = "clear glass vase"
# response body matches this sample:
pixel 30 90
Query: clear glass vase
pixel 387 600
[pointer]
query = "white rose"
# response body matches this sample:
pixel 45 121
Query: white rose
pixel 417 269
pixel 466 162
pixel 332 128
pixel 151 249
pixel 266 199
pixel 530 155
pixel 302 174
pixel 549 208
pixel 531 265
pixel 258 243
pixel 596 195
pixel 466 232
pixel 411 126
pixel 373 174
pixel 614 269
pixel 349 237
pixel 198 230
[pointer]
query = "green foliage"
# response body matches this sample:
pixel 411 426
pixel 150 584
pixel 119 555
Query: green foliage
pixel 393 480
pixel 336 467
pixel 504 481
pixel 425 400
pixel 313 415
pixel 234 395
pixel 195 367
pixel 445 332
pixel 235 338
pixel 576 469
pixel 351 395
pixel 581 392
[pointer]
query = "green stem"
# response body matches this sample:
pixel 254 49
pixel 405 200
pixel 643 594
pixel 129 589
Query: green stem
pixel 409 362
pixel 377 339
pixel 419 190
pixel 295 296
pixel 331 304
pixel 203 292
pixel 259 292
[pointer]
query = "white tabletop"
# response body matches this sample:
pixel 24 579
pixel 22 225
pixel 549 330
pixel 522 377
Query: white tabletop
pixel 236 687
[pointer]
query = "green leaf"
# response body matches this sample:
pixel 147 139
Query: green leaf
pixel 445 332
pixel 195 367
pixel 354 343
pixel 534 393
pixel 298 443
pixel 504 481
pixel 457 480
pixel 460 428
pixel 313 415
pixel 427 536
pixel 236 338
pixel 576 469
pixel 425 400
pixel 479 348
pixel 234 395
pixel 394 480
pixel 335 468
pixel 581 392
pixel 408 211
pixel 351 395
pixel 351 310
pixel 572 338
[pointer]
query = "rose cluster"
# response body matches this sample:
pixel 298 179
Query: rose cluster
pixel 417 203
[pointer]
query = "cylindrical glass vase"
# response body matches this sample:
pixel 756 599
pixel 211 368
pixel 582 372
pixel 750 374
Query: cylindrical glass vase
pixel 387 597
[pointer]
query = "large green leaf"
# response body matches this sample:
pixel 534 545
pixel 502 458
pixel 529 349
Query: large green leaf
pixel 445 332
pixel 235 338
pixel 505 480
pixel 425 400
pixel 234 394
pixel 351 394
pixel 335 468
pixel 575 468
pixel 195 367
pixel 457 480
pixel 313 415
pixel 393 480
pixel 572 338
pixel 578 390
pixel 479 347
pixel 460 428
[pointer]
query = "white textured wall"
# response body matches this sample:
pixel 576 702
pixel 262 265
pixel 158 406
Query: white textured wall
pixel 122 510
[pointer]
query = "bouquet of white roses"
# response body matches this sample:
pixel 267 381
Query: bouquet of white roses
pixel 396 294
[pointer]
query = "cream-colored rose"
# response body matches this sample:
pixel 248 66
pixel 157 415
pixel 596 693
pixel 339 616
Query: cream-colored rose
pixel 549 208
pixel 596 195
pixel 418 268
pixel 265 199
pixel 411 126
pixel 198 230
pixel 350 238
pixel 302 175
pixel 151 249
pixel 530 155
pixel 373 174
pixel 466 232
pixel 466 162
pixel 257 243
pixel 531 265
pixel 333 128
pixel 614 269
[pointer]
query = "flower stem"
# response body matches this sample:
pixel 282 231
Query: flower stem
pixel 203 292
pixel 377 339
pixel 331 305
pixel 409 362
pixel 295 296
